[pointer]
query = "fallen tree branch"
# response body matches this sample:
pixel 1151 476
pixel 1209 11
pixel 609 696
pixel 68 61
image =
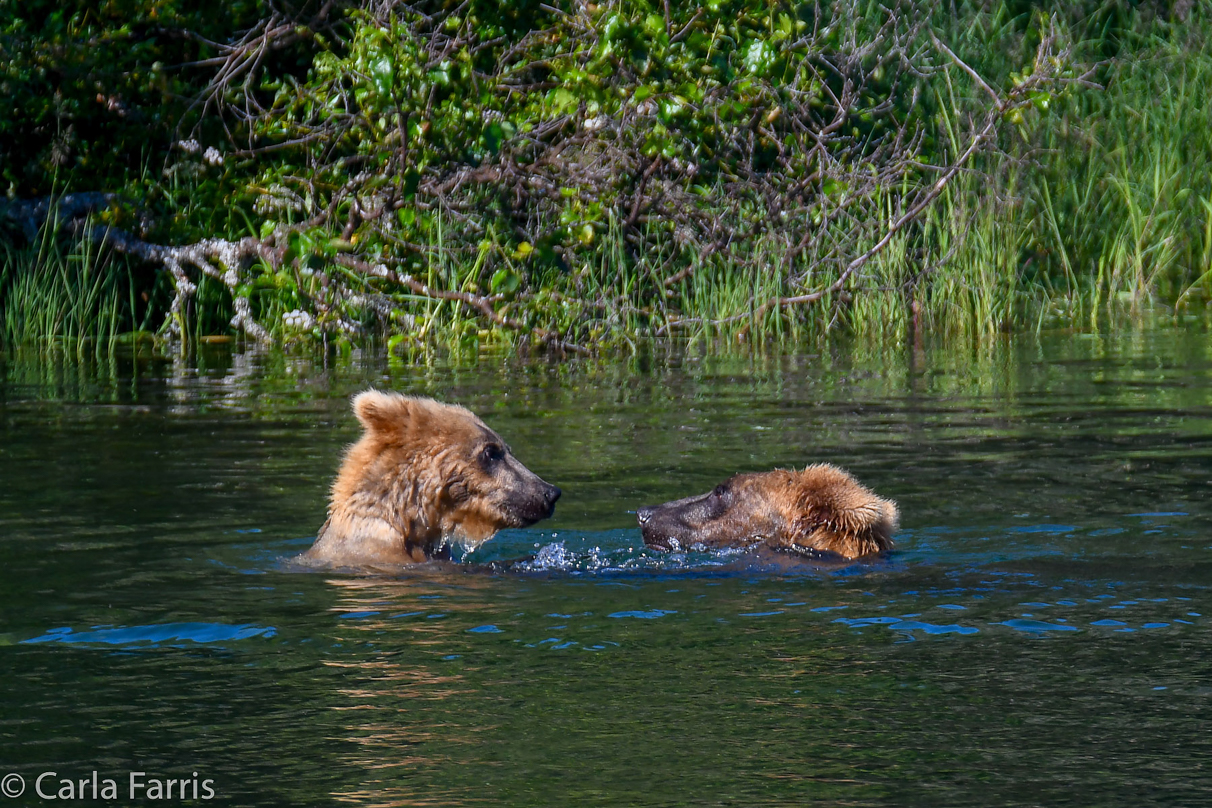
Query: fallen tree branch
pixel 72 213
pixel 481 303
pixel 224 261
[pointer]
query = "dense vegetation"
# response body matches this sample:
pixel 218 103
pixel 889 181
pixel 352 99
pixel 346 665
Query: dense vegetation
pixel 573 175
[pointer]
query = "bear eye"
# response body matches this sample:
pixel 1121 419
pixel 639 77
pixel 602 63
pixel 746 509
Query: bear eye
pixel 720 491
pixel 493 452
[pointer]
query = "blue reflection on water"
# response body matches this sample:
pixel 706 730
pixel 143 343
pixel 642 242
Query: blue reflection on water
pixel 1034 625
pixel 651 615
pixel 1161 513
pixel 901 624
pixel 194 632
pixel 931 628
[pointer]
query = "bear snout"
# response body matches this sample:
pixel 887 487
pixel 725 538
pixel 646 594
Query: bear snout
pixel 655 532
pixel 550 495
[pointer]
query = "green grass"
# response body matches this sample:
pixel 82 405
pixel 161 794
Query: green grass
pixel 53 292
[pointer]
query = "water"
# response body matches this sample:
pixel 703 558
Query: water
pixel 1040 636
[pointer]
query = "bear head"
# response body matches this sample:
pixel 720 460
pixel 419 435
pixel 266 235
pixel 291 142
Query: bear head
pixel 821 508
pixel 422 474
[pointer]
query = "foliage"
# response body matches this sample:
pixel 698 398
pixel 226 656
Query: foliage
pixel 588 172
pixel 97 90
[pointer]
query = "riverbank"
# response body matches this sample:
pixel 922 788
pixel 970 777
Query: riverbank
pixel 578 183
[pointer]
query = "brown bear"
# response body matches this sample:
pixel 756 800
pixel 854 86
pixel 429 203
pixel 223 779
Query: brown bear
pixel 821 508
pixel 422 475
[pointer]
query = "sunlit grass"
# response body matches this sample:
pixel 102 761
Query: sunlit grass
pixel 54 292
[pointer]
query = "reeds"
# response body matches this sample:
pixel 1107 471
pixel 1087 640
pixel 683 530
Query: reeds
pixel 55 292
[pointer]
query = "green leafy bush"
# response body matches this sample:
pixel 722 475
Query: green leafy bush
pixel 575 173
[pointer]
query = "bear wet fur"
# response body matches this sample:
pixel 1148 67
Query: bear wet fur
pixel 423 474
pixel 821 508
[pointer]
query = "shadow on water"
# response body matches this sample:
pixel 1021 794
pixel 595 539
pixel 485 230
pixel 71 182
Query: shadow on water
pixel 1039 632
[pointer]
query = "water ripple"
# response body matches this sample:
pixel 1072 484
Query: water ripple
pixel 126 635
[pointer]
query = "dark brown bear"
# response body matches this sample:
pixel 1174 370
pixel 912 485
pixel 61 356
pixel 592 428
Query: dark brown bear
pixel 422 475
pixel 821 508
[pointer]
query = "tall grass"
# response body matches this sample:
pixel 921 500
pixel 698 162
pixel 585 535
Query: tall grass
pixel 63 293
pixel 1100 211
pixel 1118 201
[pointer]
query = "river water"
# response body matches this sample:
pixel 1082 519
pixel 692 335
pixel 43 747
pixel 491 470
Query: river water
pixel 1042 635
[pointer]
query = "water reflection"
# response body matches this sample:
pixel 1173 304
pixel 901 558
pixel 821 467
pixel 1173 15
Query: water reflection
pixel 172 632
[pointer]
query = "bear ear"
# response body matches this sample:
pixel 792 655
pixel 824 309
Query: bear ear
pixel 382 412
pixel 845 511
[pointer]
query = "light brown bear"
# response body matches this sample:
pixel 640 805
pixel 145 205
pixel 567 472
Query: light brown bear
pixel 821 508
pixel 422 475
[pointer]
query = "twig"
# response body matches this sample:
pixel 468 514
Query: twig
pixel 997 99
pixel 481 303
